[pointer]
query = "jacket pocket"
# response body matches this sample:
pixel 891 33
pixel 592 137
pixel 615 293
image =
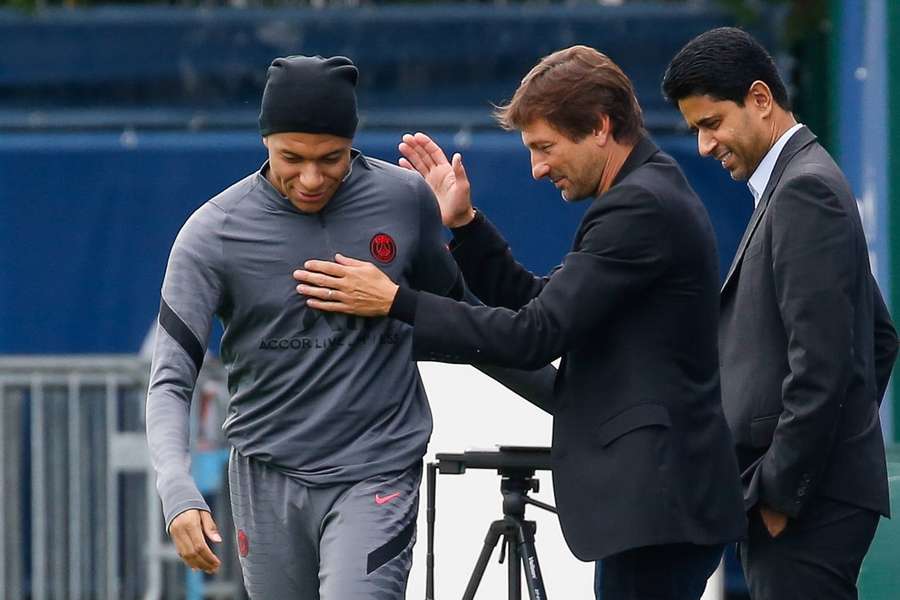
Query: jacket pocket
pixel 642 415
pixel 762 429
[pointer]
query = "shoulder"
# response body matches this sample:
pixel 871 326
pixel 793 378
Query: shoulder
pixel 232 197
pixel 812 199
pixel 629 197
pixel 819 180
pixel 813 166
pixel 627 215
pixel 393 176
pixel 403 190
pixel 202 228
pixel 208 220
pixel 658 180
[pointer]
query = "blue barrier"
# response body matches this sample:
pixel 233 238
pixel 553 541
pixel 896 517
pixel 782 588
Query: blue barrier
pixel 213 60
pixel 86 220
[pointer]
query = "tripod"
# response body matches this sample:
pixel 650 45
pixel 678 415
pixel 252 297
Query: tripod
pixel 517 536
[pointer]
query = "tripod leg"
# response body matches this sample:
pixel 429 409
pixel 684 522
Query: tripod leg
pixel 533 578
pixel 429 558
pixel 497 529
pixel 515 575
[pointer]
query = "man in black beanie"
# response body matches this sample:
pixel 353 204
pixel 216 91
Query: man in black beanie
pixel 327 419
pixel 309 112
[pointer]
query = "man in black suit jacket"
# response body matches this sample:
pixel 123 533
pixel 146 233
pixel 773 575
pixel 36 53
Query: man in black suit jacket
pixel 643 473
pixel 807 345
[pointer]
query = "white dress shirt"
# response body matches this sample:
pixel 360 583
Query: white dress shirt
pixel 760 178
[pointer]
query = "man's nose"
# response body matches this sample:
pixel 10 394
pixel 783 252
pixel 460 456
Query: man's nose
pixel 539 168
pixel 311 178
pixel 705 143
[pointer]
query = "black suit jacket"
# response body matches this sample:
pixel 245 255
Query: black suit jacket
pixel 641 451
pixel 806 343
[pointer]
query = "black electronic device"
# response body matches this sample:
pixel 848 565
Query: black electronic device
pixel 516 465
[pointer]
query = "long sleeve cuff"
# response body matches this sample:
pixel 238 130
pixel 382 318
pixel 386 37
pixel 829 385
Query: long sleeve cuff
pixel 178 496
pixel 404 306
pixel 467 231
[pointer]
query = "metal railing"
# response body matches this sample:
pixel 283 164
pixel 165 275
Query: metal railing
pixel 72 460
pixel 79 514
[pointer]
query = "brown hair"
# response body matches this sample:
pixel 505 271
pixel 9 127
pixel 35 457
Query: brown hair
pixel 571 88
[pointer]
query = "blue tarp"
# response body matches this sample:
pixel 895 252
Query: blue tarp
pixel 87 220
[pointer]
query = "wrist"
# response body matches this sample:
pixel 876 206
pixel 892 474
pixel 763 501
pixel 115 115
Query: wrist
pixel 391 298
pixel 462 219
pixel 404 306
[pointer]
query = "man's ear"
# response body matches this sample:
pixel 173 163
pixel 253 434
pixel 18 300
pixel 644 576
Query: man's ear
pixel 759 97
pixel 603 133
pixel 265 141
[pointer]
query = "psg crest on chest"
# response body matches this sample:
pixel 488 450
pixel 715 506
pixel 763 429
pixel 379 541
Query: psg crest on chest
pixel 383 248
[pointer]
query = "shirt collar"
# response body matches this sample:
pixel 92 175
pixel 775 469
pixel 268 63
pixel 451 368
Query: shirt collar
pixel 357 160
pixel 760 178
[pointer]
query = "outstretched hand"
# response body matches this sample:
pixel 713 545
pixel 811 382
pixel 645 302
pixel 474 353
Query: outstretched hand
pixel 448 180
pixel 347 286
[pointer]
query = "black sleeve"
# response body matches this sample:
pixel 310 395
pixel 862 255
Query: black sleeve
pixel 885 341
pixel 489 268
pixel 814 273
pixel 534 386
pixel 625 248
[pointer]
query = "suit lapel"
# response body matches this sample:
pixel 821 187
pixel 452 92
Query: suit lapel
pixel 748 233
pixel 798 141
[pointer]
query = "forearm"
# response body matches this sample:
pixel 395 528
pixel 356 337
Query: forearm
pixel 534 386
pixel 457 332
pixel 489 268
pixel 885 338
pixel 168 428
pixel 820 358
pixel 793 465
pixel 168 436
pixel 815 262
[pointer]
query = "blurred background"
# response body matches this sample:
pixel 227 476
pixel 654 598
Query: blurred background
pixel 118 121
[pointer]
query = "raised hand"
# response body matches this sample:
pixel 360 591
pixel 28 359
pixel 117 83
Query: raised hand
pixel 447 179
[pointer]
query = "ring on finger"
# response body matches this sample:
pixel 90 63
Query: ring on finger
pixel 330 294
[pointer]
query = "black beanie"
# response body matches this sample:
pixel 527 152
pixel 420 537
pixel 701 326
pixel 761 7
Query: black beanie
pixel 310 94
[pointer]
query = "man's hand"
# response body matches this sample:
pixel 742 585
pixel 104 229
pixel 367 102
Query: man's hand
pixel 347 286
pixel 447 180
pixel 774 521
pixel 189 531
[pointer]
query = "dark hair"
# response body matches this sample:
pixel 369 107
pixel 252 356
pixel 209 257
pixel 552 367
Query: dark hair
pixel 722 63
pixel 570 89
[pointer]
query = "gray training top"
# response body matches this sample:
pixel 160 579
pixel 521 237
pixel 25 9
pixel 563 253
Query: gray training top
pixel 323 398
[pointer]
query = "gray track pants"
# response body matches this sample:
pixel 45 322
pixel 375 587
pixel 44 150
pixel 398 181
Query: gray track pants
pixel 342 542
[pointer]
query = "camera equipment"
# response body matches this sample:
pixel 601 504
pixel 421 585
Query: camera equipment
pixel 516 465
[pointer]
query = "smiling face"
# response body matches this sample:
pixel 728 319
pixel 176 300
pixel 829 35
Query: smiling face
pixel 307 168
pixel 737 136
pixel 575 168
